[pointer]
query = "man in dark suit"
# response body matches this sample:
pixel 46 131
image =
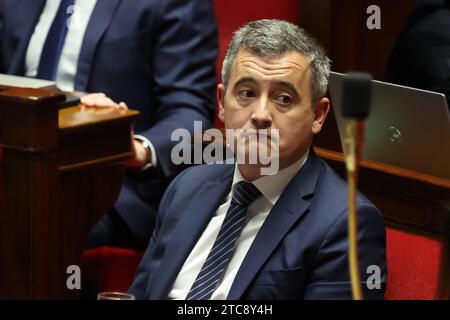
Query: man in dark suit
pixel 158 56
pixel 225 231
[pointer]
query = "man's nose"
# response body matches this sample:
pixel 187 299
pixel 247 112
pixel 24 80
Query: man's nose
pixel 261 118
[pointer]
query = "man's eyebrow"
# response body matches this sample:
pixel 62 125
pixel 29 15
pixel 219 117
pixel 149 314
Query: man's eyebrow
pixel 278 82
pixel 288 85
pixel 243 80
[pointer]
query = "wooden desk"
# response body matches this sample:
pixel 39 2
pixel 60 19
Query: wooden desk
pixel 408 200
pixel 62 169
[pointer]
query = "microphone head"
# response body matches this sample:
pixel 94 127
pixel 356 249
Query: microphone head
pixel 356 95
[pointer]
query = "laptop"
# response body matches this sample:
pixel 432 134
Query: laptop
pixel 407 127
pixel 25 82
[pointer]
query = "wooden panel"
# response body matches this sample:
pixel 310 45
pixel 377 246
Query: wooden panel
pixel 341 28
pixel 62 169
pixel 408 200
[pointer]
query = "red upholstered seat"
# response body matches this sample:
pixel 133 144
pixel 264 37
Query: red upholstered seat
pixel 108 269
pixel 413 266
pixel 231 14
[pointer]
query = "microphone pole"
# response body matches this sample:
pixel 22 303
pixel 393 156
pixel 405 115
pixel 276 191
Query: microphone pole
pixel 356 100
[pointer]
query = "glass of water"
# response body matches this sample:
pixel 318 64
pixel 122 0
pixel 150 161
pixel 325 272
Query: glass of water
pixel 115 295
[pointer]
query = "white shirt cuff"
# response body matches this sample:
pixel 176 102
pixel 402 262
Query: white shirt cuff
pixel 154 158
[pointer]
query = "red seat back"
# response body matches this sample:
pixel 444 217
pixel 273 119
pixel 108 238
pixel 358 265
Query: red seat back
pixel 413 266
pixel 108 269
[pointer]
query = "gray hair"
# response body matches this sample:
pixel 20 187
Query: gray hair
pixel 272 38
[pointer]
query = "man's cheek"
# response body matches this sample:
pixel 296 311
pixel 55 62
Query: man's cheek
pixel 235 121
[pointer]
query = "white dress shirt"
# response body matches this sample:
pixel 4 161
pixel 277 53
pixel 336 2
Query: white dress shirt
pixel 67 67
pixel 271 188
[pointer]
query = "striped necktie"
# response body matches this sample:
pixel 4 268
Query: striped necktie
pixel 222 250
pixel 54 43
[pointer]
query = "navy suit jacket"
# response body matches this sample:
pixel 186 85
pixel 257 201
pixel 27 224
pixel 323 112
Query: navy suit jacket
pixel 157 56
pixel 300 251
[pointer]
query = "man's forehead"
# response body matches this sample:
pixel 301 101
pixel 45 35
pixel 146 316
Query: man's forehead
pixel 287 57
pixel 249 64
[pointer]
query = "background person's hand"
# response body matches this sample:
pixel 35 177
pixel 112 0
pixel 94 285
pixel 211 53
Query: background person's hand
pixel 99 102
pixel 95 101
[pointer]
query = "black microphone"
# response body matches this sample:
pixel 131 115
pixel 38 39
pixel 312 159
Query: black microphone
pixel 356 101
pixel 356 95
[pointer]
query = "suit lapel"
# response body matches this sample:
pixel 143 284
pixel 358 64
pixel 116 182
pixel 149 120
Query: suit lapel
pixel 189 229
pixel 98 23
pixel 287 211
pixel 33 10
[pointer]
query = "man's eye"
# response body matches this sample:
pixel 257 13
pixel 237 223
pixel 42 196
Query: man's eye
pixel 246 94
pixel 284 99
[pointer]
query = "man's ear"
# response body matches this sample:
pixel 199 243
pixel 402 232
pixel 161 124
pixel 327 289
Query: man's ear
pixel 320 113
pixel 220 92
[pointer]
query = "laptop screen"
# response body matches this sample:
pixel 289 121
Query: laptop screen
pixel 407 127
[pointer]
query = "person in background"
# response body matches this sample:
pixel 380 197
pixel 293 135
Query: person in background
pixel 158 56
pixel 421 56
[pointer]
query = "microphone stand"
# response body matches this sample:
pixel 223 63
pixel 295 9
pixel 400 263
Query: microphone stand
pixel 352 151
pixel 356 100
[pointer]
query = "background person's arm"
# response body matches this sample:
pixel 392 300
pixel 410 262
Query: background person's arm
pixel 184 74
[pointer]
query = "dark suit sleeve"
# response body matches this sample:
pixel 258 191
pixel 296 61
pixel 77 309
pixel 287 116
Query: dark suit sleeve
pixel 330 275
pixel 153 254
pixel 139 285
pixel 143 272
pixel 184 73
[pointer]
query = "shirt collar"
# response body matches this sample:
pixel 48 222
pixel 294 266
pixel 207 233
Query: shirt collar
pixel 271 187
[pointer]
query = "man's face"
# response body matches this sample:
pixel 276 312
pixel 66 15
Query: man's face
pixel 273 93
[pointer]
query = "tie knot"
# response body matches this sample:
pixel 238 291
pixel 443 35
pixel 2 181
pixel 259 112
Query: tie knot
pixel 245 193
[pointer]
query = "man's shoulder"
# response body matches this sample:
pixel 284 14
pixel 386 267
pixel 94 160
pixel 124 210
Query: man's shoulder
pixel 332 193
pixel 329 209
pixel 191 183
pixel 190 180
pixel 200 173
